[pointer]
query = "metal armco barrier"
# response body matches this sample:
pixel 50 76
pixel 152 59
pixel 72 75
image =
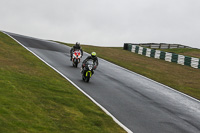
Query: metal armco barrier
pixel 170 57
pixel 158 45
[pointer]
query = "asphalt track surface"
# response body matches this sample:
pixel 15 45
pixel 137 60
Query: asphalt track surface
pixel 142 105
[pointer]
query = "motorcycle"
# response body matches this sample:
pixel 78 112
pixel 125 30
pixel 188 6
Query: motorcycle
pixel 76 57
pixel 88 70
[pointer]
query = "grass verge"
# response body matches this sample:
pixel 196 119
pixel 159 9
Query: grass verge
pixel 182 78
pixel 34 98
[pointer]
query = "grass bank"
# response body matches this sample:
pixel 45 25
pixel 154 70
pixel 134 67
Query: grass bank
pixel 182 78
pixel 34 98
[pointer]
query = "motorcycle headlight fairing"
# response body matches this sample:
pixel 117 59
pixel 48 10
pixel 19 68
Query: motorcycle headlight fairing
pixel 90 67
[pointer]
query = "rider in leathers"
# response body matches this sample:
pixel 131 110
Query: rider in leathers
pixel 76 47
pixel 93 57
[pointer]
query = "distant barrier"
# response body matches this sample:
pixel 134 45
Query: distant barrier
pixel 170 57
pixel 158 45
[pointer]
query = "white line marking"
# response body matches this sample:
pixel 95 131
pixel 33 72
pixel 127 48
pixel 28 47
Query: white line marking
pixel 108 113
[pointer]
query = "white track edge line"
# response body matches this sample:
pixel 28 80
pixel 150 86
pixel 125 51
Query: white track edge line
pixel 108 113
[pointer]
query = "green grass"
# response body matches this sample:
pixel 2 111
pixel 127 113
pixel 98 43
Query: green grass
pixel 34 98
pixel 182 78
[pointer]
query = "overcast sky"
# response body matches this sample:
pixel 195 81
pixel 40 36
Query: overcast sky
pixel 104 22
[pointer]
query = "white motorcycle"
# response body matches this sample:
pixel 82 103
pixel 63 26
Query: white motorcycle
pixel 76 57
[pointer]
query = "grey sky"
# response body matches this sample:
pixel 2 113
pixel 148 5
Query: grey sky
pixel 104 22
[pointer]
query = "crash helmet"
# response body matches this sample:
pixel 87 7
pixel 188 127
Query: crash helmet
pixel 93 54
pixel 77 44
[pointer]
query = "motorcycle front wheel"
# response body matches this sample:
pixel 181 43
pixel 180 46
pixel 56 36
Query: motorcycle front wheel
pixel 87 79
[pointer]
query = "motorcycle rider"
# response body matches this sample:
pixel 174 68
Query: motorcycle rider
pixel 93 57
pixel 76 47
